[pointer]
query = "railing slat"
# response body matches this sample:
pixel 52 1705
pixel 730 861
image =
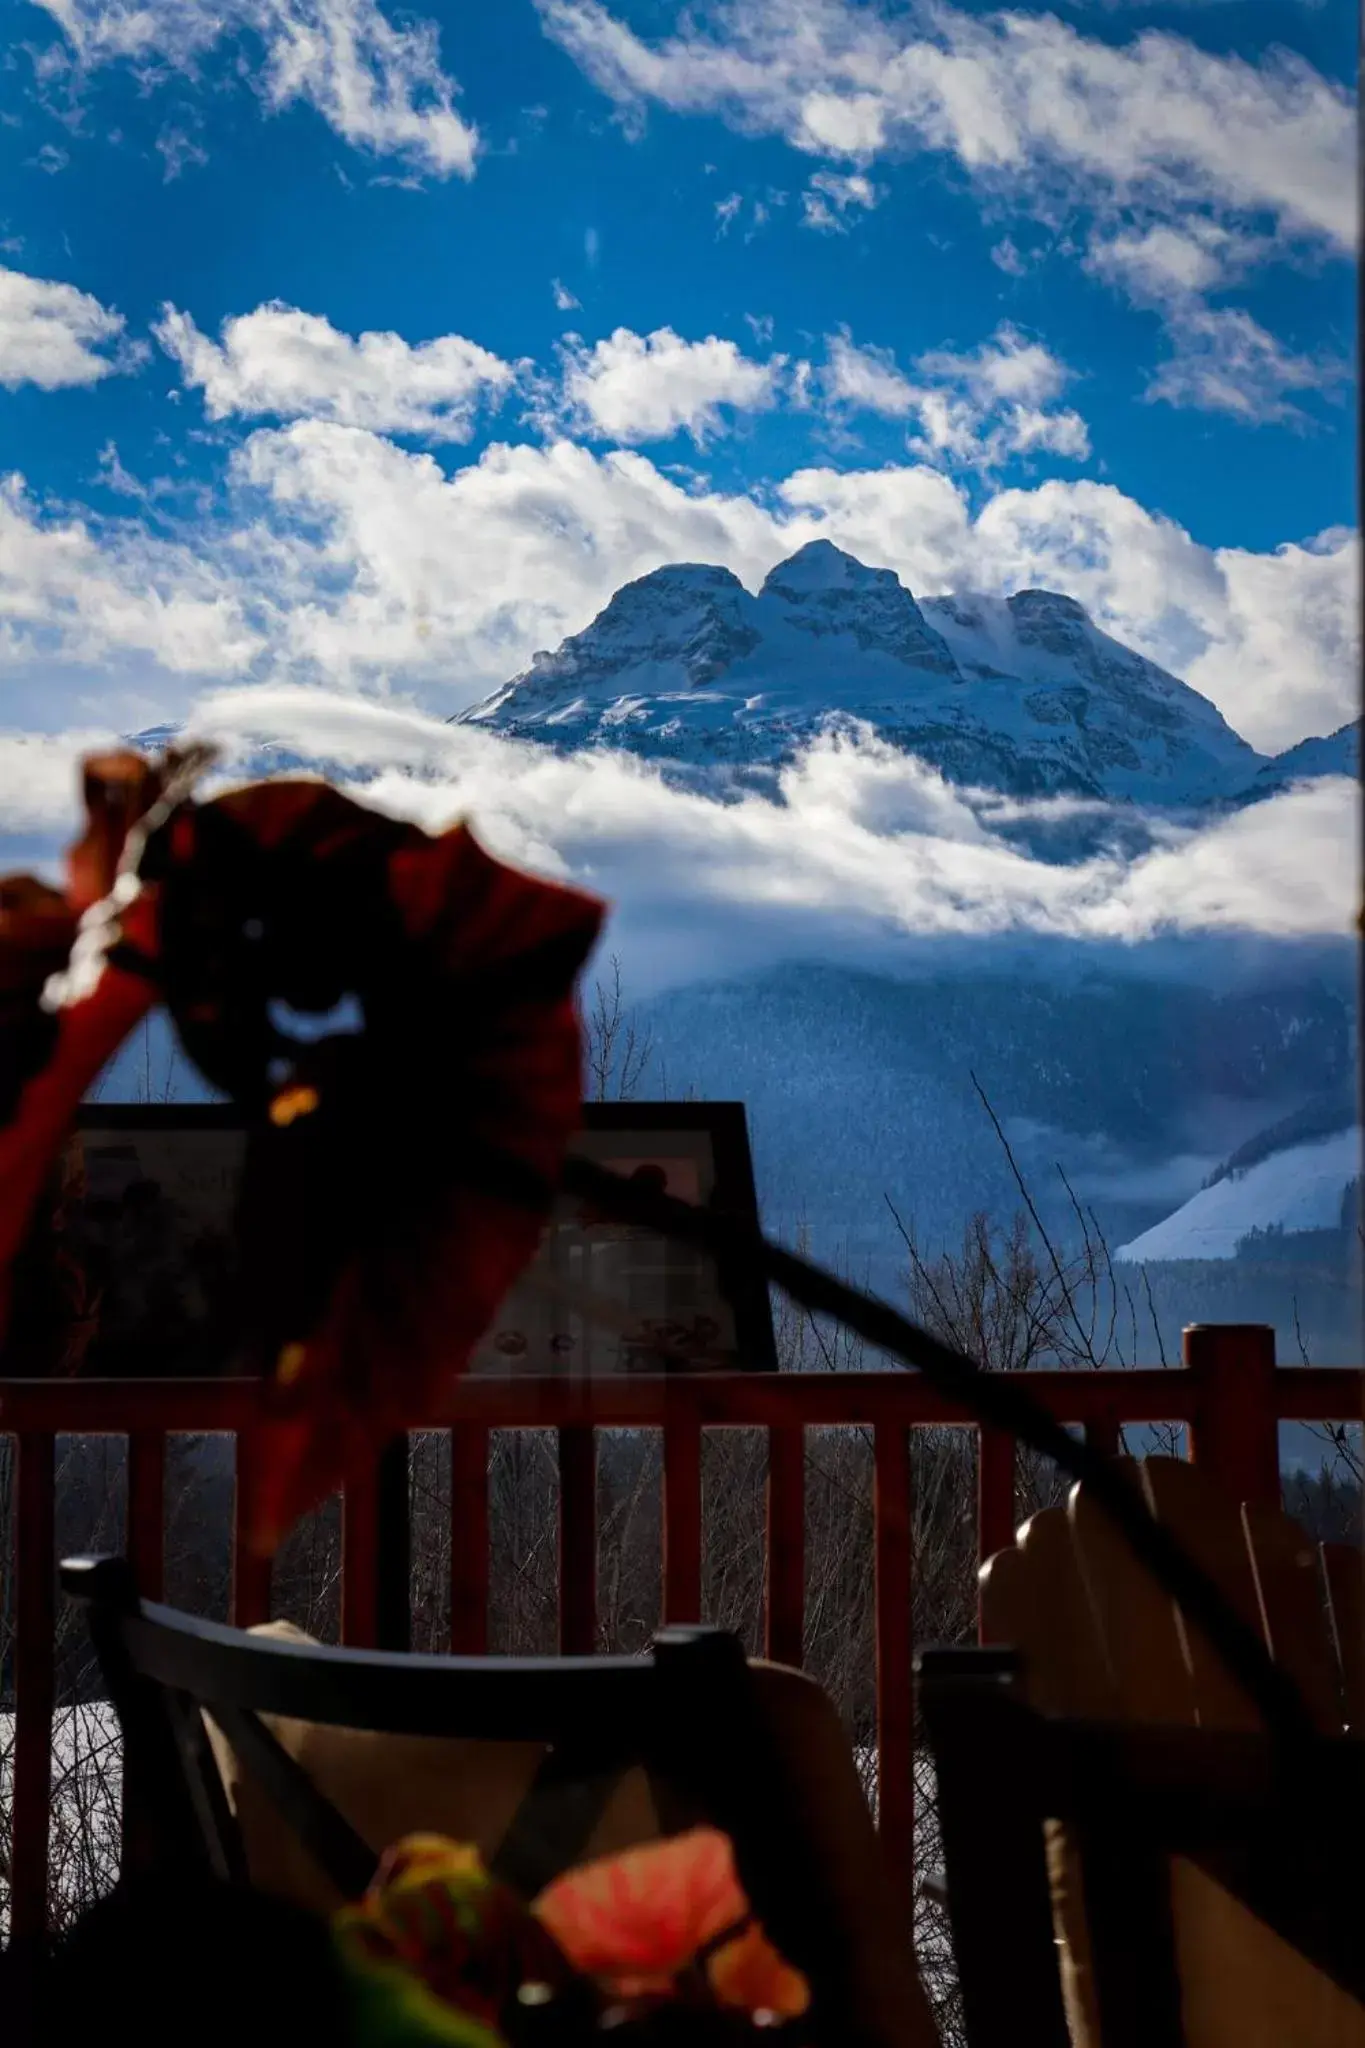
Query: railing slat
pixel 469 1540
pixel 146 1545
pixel 682 1522
pixel 360 1560
pixel 1104 1433
pixel 577 1541
pixel 250 1573
pixel 35 1629
pixel 894 1592
pixel 147 1511
pixel 786 1574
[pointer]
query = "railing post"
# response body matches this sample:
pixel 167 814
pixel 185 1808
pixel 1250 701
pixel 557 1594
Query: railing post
pixel 34 1687
pixel 1236 1430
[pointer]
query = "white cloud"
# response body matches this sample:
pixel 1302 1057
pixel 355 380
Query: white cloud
pixel 1158 263
pixel 1220 358
pixel 107 622
pixel 342 558
pixel 632 387
pixel 177 147
pixel 864 855
pixel 1023 102
pixel 379 86
pixel 864 848
pixel 297 365
pixel 974 411
pixel 52 335
pixel 831 195
pixel 1005 256
pixel 565 302
pixel 1224 361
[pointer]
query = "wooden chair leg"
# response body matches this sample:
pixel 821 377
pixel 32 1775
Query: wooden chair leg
pixel 999 1904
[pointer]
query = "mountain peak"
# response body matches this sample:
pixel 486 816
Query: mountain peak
pixel 820 566
pixel 1023 694
pixel 1045 606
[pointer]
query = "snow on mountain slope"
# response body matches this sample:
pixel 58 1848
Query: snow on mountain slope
pixel 1333 753
pixel 1300 1188
pixel 1022 694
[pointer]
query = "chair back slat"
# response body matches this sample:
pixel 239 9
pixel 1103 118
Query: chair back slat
pixel 1143 1639
pixel 1034 1598
pixel 1208 1526
pixel 1344 1571
pixel 1295 1615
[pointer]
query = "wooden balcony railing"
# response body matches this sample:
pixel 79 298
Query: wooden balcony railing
pixel 1230 1395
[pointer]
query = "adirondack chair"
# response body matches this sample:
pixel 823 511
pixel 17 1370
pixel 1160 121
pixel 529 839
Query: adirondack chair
pixel 1127 1862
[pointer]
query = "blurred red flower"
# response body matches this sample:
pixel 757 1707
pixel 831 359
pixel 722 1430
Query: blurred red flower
pixel 393 1011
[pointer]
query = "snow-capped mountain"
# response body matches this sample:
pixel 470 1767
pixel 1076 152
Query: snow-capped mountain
pixel 1022 694
pixel 1333 753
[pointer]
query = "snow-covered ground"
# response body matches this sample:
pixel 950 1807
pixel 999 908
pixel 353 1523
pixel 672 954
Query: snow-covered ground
pixel 1300 1188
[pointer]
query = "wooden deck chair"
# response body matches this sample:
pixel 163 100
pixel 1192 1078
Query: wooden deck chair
pixel 290 1765
pixel 1114 1809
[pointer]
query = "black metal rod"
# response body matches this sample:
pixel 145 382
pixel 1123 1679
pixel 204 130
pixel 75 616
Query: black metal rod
pixel 996 1399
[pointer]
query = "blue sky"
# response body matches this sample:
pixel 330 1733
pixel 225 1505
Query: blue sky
pixel 362 350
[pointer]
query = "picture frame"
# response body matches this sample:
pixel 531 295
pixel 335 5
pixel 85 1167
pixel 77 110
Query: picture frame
pixel 130 1271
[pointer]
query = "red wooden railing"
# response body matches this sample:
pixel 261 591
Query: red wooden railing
pixel 1230 1395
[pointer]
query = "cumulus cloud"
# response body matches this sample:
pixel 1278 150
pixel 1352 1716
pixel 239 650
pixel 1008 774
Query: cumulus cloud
pixel 1025 103
pixel 340 556
pixel 54 335
pixel 970 411
pixel 281 361
pixel 380 86
pixel 633 387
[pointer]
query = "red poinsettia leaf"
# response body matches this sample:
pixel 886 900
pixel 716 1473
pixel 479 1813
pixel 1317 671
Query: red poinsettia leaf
pixel 119 789
pixel 643 1915
pixel 395 1010
pixel 84 1036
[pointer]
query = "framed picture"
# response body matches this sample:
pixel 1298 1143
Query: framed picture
pixel 131 1272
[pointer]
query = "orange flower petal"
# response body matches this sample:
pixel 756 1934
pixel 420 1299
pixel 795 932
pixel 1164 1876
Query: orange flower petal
pixel 749 1973
pixel 646 1912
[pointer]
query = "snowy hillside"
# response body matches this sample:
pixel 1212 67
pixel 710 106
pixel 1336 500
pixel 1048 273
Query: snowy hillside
pixel 1333 753
pixel 1298 1189
pixel 1023 694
